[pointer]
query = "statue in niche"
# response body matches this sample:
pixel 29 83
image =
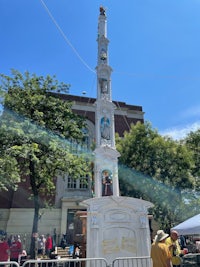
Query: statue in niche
pixel 105 128
pixel 103 85
pixel 106 183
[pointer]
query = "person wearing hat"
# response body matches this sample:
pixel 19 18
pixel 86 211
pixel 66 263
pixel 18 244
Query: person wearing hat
pixel 160 253
pixel 174 248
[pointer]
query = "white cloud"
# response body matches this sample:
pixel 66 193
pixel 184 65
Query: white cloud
pixel 180 132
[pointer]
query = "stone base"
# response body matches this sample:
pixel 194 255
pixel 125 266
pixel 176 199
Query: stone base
pixel 117 227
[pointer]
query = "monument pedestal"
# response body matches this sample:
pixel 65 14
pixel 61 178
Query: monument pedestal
pixel 117 227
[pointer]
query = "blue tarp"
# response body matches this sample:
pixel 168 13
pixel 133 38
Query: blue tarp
pixel 189 227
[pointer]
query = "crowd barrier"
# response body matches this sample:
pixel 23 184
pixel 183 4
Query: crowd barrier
pixel 132 262
pixel 65 262
pixel 83 262
pixel 9 264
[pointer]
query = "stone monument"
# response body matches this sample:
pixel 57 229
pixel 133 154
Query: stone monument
pixel 116 226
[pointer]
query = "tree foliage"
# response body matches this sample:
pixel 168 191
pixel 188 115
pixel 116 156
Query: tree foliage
pixel 38 130
pixel 158 169
pixel 192 142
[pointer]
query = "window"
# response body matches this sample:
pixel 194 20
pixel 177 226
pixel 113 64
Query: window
pixel 86 139
pixel 84 182
pixel 81 183
pixel 71 183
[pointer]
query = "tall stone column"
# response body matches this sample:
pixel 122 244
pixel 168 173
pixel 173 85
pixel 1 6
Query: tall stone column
pixel 106 155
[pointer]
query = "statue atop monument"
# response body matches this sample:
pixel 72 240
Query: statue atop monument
pixel 102 11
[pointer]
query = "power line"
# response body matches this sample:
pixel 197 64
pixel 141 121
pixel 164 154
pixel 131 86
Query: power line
pixel 130 74
pixel 65 37
pixel 76 52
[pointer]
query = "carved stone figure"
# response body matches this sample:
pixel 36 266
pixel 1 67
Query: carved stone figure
pixel 105 128
pixel 104 86
pixel 106 184
pixel 102 11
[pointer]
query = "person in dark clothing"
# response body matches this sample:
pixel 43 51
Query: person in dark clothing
pixel 63 242
pixel 182 242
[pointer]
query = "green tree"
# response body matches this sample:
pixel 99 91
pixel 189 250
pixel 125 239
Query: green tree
pixel 7 179
pixel 38 132
pixel 158 169
pixel 192 141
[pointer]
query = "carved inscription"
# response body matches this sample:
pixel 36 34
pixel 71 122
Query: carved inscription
pixel 116 245
pixel 111 246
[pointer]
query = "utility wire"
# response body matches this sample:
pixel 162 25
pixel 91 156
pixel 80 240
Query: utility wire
pixel 75 51
pixel 136 75
pixel 65 37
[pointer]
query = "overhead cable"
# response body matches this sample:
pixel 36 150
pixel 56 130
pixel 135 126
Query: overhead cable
pixel 65 37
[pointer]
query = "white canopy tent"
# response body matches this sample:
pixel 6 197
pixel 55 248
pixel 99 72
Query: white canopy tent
pixel 189 227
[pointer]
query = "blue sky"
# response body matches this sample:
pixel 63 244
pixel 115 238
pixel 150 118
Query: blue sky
pixel 154 51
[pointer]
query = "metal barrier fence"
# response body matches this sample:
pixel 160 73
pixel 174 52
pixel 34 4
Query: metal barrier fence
pixel 84 262
pixel 132 262
pixel 9 264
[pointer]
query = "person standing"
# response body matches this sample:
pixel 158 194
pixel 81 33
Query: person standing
pixel 48 245
pixel 10 239
pixel 15 249
pixel 174 248
pixel 41 245
pixel 182 242
pixel 4 249
pixel 160 253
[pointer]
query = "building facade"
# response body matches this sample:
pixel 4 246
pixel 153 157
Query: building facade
pixel 16 208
